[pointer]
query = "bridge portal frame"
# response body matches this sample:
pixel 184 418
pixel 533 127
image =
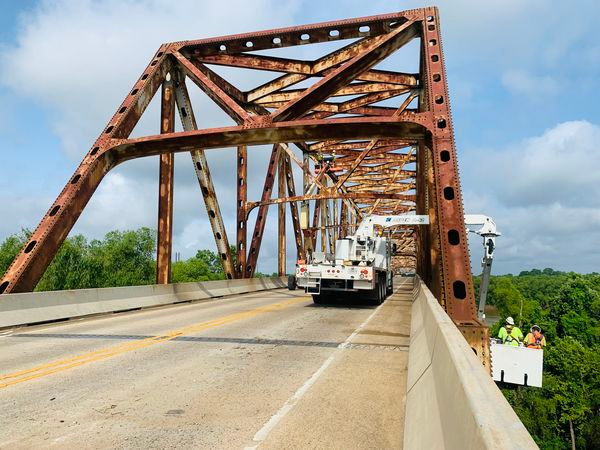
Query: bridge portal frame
pixel 273 113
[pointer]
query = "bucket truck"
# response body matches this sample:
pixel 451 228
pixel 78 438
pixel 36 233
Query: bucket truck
pixel 361 263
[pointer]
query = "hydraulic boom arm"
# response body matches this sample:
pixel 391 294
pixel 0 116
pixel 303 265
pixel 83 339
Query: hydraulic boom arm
pixel 489 234
pixel 365 228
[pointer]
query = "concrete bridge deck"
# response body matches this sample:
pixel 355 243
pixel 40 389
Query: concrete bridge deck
pixel 267 368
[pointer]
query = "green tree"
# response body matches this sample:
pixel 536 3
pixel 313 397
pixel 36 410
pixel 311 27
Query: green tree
pixel 10 248
pixel 70 267
pixel 122 258
pixel 573 371
pixel 567 306
pixel 127 257
pixel 214 261
pixel 575 310
pixel 192 269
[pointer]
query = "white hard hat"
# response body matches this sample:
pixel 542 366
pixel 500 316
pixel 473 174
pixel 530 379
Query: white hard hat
pixel 510 320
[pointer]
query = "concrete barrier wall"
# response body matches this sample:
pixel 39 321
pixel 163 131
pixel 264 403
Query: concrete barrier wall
pixel 452 401
pixel 34 307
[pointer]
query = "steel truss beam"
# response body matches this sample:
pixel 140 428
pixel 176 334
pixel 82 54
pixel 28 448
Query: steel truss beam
pixel 372 141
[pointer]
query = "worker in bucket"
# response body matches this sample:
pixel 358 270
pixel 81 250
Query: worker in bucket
pixel 535 338
pixel 509 334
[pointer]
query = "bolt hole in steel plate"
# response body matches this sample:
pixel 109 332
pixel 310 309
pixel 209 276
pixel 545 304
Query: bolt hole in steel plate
pixel 459 289
pixel 453 237
pixel 448 193
pixel 30 246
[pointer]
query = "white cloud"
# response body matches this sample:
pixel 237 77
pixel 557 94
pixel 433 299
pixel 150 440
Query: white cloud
pixel 543 194
pixel 521 82
pixel 561 166
pixel 21 211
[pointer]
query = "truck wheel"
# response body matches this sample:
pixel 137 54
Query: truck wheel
pixel 292 283
pixel 377 295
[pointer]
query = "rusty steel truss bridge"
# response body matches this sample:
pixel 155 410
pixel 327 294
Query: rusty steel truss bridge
pixel 372 141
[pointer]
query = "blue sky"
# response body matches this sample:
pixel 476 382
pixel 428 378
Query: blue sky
pixel 523 78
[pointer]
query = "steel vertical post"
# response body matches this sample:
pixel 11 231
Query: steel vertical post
pixel 242 198
pixel 456 292
pixel 308 236
pixel 165 194
pixel 281 185
pixel 344 221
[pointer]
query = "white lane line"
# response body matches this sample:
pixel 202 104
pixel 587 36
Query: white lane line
pixel 263 433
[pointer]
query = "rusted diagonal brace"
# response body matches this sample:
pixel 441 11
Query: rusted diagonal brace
pixel 215 218
pixel 212 89
pixel 319 67
pixel 315 223
pixel 299 68
pixel 367 99
pixel 261 218
pixel 347 72
pixel 311 175
pixel 351 89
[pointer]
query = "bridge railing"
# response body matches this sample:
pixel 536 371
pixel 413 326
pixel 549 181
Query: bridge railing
pixel 451 400
pixel 34 307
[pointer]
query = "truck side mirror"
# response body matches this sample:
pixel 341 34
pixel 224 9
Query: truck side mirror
pixel 394 248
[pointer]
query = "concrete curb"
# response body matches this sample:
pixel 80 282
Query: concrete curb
pixel 451 401
pixel 34 307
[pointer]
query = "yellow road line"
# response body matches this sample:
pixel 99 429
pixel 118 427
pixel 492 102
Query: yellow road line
pixel 98 355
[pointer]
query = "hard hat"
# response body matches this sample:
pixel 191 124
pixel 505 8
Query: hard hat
pixel 536 327
pixel 510 320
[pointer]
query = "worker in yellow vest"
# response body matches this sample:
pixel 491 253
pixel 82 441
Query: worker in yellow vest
pixel 509 334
